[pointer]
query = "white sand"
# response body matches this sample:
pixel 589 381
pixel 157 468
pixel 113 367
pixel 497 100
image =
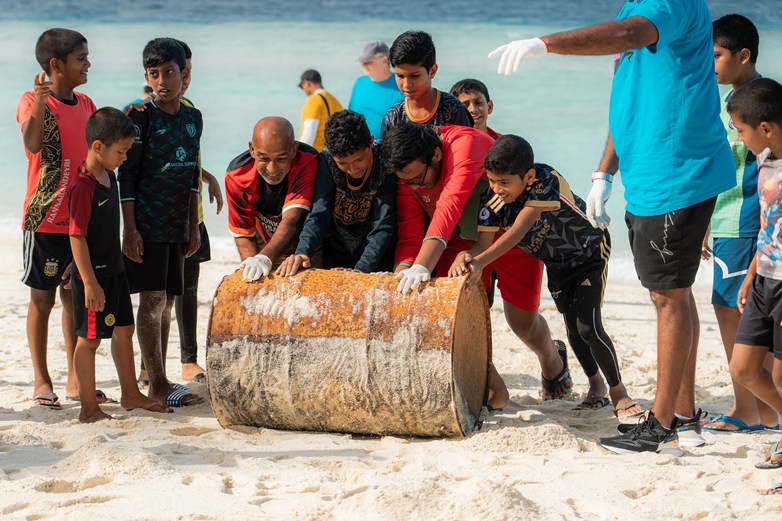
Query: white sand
pixel 533 461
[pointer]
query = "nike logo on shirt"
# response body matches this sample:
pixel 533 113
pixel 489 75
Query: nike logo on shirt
pixel 101 203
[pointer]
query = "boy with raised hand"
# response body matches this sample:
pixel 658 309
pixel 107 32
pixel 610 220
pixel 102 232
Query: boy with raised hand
pixel 736 219
pixel 101 298
pixel 353 215
pixel 159 185
pixel 474 95
pixel 414 60
pixel 539 214
pixel 756 112
pixel 52 118
pixel 439 170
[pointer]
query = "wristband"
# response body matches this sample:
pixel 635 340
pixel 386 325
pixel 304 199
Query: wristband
pixel 605 176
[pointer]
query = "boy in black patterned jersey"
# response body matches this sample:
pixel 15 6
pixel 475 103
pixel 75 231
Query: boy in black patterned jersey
pixel 101 298
pixel 413 58
pixel 534 206
pixel 159 186
pixel 353 216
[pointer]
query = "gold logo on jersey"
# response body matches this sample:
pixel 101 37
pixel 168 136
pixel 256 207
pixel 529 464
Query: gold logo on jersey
pixel 586 283
pixel 110 320
pixel 50 268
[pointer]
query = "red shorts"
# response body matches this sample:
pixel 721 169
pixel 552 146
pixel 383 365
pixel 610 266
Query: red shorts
pixel 519 275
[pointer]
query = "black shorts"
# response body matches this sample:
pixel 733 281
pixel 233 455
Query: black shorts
pixel 118 310
pixel 760 321
pixel 667 248
pixel 204 252
pixel 45 256
pixel 161 269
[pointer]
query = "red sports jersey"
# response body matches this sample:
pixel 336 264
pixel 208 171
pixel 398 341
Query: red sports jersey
pixel 249 211
pixel 464 150
pixel 50 171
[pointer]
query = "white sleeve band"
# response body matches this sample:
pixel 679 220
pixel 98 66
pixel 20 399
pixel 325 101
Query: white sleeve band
pixel 309 130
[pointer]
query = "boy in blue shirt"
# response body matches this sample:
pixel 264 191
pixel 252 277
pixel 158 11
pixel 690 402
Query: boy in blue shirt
pixel 736 219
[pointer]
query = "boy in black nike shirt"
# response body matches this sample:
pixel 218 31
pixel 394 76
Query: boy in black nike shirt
pixel 101 299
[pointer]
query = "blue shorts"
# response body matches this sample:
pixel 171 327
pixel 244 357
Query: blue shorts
pixel 731 260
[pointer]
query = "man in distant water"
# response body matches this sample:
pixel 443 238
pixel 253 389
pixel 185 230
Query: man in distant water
pixel 675 160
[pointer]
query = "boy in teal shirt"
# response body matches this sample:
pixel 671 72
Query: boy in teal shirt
pixel 736 219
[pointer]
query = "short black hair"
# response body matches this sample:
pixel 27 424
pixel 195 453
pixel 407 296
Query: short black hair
pixel 470 85
pixel 346 132
pixel 757 101
pixel 510 154
pixel 407 142
pixel 736 32
pixel 108 125
pixel 413 48
pixel 163 50
pixel 56 43
pixel 186 48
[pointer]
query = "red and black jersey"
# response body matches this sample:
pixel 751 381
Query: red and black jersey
pixel 94 211
pixel 256 207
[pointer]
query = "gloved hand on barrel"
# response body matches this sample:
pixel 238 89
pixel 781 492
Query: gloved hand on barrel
pixel 411 278
pixel 256 267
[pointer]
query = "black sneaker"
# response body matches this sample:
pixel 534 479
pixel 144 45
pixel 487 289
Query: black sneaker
pixel 646 436
pixel 689 430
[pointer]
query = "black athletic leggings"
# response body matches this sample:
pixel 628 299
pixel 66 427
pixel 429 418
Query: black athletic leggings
pixel 186 307
pixel 580 300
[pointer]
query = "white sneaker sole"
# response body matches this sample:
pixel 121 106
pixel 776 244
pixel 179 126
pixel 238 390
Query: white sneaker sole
pixel 673 450
pixel 692 442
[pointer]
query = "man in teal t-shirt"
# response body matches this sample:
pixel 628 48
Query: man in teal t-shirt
pixel 666 134
pixel 376 92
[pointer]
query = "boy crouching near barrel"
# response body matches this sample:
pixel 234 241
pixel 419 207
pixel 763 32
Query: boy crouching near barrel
pixel 440 173
pixel 101 298
pixel 532 203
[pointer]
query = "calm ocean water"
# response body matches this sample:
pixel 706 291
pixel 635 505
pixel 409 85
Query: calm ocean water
pixel 248 56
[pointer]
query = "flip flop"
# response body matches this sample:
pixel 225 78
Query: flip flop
pixel 740 425
pixel 620 412
pixel 180 398
pixel 562 380
pixel 142 384
pixel 48 400
pixel 774 450
pixel 199 378
pixel 149 406
pixel 592 403
pixel 776 489
pixel 100 395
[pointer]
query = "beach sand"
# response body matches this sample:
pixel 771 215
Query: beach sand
pixel 534 460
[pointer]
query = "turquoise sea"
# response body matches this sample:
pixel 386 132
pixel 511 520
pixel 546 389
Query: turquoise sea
pixel 248 56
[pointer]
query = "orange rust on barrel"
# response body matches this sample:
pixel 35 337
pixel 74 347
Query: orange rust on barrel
pixel 264 336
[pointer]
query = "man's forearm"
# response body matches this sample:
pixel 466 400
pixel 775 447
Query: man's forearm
pixel 604 39
pixel 247 247
pixel 609 163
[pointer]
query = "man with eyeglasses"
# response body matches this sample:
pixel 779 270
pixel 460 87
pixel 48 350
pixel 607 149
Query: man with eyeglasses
pixel 441 177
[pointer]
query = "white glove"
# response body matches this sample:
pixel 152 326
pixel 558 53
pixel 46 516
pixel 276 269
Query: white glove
pixel 256 267
pixel 411 278
pixel 596 201
pixel 515 52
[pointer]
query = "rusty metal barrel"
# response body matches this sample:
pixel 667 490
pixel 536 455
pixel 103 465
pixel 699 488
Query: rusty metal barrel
pixel 341 351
